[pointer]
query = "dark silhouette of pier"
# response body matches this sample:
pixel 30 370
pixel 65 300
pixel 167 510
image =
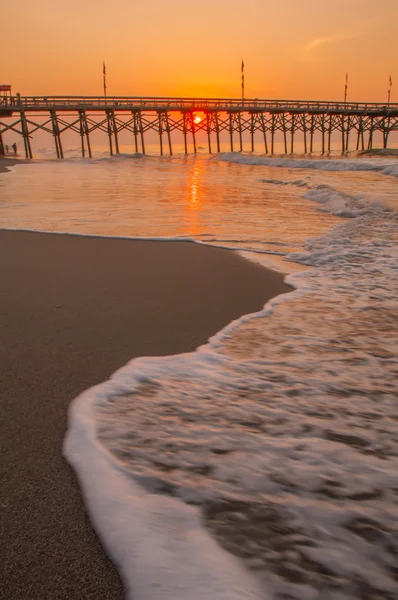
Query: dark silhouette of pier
pixel 293 119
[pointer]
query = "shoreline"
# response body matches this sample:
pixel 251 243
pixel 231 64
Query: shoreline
pixel 6 163
pixel 75 309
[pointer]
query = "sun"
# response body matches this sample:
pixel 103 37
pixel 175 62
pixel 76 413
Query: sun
pixel 197 119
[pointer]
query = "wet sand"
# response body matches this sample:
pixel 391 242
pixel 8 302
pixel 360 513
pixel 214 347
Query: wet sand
pixel 72 311
pixel 9 162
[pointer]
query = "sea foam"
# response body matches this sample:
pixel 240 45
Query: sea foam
pixel 278 437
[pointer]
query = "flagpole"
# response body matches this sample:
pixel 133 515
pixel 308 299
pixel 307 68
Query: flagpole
pixel 389 90
pixel 346 87
pixel 242 69
pixel 104 77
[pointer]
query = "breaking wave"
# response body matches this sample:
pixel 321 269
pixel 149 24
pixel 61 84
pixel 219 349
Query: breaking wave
pixel 321 164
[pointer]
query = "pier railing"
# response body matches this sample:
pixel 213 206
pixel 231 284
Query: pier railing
pixel 37 103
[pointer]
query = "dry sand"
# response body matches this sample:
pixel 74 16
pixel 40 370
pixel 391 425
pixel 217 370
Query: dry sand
pixel 72 311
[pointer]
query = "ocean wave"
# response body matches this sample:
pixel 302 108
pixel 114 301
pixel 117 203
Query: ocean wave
pixel 341 204
pixel 120 156
pixel 297 182
pixel 334 201
pixel 347 164
pixel 378 152
pixel 281 433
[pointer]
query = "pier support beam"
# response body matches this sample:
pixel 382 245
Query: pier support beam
pixel 160 130
pixel 240 131
pixel 272 133
pixel 208 130
pixel 164 126
pixel 188 125
pixel 258 123
pixel 217 127
pixel 305 133
pixel 25 135
pixel 135 132
pixel 386 131
pixel 112 131
pixel 185 131
pixel 138 129
pixel 84 133
pixel 323 134
pixel 168 133
pixel 292 129
pixel 235 125
pixel 252 129
pixel 347 133
pixel 57 134
pixel 370 142
pixel 142 134
pixel 342 134
pixel 312 134
pixel 193 132
pixel 284 127
pixel 330 133
pixel 109 127
pixel 114 128
pixel 360 136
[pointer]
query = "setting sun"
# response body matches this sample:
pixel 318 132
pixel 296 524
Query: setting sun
pixel 197 119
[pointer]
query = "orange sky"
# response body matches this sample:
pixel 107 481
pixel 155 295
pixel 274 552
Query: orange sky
pixel 291 48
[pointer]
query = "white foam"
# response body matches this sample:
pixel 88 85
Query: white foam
pixel 282 429
pixel 158 543
pixel 337 203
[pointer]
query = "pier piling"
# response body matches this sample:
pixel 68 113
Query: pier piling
pixel 25 135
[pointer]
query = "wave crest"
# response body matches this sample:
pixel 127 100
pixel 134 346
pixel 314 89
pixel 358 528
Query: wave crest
pixel 320 164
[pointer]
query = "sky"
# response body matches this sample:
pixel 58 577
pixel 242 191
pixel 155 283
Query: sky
pixel 291 49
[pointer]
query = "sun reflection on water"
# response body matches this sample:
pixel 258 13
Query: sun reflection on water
pixel 194 199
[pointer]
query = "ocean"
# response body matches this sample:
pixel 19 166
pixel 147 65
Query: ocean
pixel 263 465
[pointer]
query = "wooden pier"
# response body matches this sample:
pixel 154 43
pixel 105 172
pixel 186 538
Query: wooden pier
pixel 310 122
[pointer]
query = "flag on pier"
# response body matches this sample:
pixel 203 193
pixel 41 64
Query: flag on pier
pixel 346 87
pixel 389 89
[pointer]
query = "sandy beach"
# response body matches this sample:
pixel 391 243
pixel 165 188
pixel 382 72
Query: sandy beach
pixel 73 310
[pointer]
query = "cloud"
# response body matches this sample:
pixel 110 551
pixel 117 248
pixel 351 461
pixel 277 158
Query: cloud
pixel 309 51
pixel 331 39
pixel 319 42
